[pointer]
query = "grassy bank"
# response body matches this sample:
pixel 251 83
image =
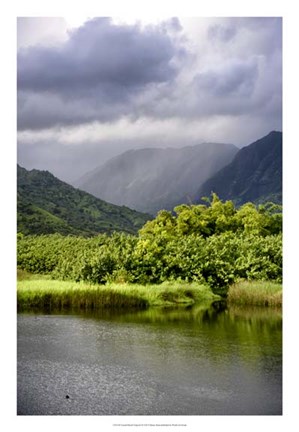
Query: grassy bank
pixel 39 291
pixel 257 293
pixel 52 294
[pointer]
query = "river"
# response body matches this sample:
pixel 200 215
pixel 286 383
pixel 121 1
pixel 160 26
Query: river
pixel 154 362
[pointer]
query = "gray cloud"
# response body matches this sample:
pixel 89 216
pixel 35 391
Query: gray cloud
pixel 259 35
pixel 222 33
pixel 231 79
pixel 106 71
pixel 101 66
pixel 238 72
pixel 108 87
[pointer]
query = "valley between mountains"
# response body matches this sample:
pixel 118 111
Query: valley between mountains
pixel 131 188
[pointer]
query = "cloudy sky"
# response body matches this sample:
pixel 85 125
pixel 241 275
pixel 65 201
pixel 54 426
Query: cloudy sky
pixel 89 89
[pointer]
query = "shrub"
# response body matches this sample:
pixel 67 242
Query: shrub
pixel 217 245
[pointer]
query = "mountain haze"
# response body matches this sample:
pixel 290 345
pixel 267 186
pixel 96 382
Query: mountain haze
pixel 48 205
pixel 255 174
pixel 152 179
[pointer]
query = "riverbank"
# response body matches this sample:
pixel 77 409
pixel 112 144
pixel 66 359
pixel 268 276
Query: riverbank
pixel 255 293
pixel 39 291
pixel 53 294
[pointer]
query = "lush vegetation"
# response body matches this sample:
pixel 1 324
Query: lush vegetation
pixel 47 205
pixel 213 244
pixel 78 295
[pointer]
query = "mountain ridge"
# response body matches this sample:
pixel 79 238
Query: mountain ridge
pixel 255 174
pixel 47 205
pixel 152 179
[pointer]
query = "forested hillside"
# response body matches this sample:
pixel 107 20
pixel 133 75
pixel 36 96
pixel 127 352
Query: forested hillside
pixel 47 205
pixel 255 174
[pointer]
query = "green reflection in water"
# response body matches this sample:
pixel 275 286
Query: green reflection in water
pixel 208 360
pixel 250 331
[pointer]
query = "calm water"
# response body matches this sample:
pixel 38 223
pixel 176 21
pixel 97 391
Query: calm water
pixel 179 362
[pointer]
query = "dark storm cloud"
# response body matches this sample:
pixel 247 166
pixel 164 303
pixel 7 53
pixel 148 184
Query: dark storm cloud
pixel 102 66
pixel 110 87
pixel 44 110
pixel 105 71
pixel 98 54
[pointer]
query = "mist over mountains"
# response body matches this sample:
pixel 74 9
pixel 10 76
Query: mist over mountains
pixel 152 179
pixel 125 191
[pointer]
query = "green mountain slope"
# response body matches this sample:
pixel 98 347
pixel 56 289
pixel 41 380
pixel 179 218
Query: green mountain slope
pixel 48 205
pixel 152 179
pixel 255 174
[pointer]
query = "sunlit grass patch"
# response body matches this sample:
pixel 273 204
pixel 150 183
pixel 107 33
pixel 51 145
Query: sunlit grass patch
pixel 257 293
pixel 53 294
pixel 169 293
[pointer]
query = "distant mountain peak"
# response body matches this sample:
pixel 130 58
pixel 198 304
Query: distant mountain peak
pixel 255 173
pixel 151 179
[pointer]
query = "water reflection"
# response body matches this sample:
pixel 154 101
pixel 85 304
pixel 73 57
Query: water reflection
pixel 203 312
pixel 184 361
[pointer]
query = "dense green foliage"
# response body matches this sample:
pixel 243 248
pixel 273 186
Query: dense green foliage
pixel 255 174
pixel 47 205
pixel 214 244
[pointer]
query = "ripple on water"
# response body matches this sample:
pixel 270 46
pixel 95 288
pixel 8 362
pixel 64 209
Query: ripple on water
pixel 118 368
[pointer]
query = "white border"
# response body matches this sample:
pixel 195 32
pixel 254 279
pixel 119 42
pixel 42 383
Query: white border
pixel 154 8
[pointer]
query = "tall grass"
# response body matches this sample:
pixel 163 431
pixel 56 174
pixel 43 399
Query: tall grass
pixel 52 294
pixel 25 275
pixel 257 293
